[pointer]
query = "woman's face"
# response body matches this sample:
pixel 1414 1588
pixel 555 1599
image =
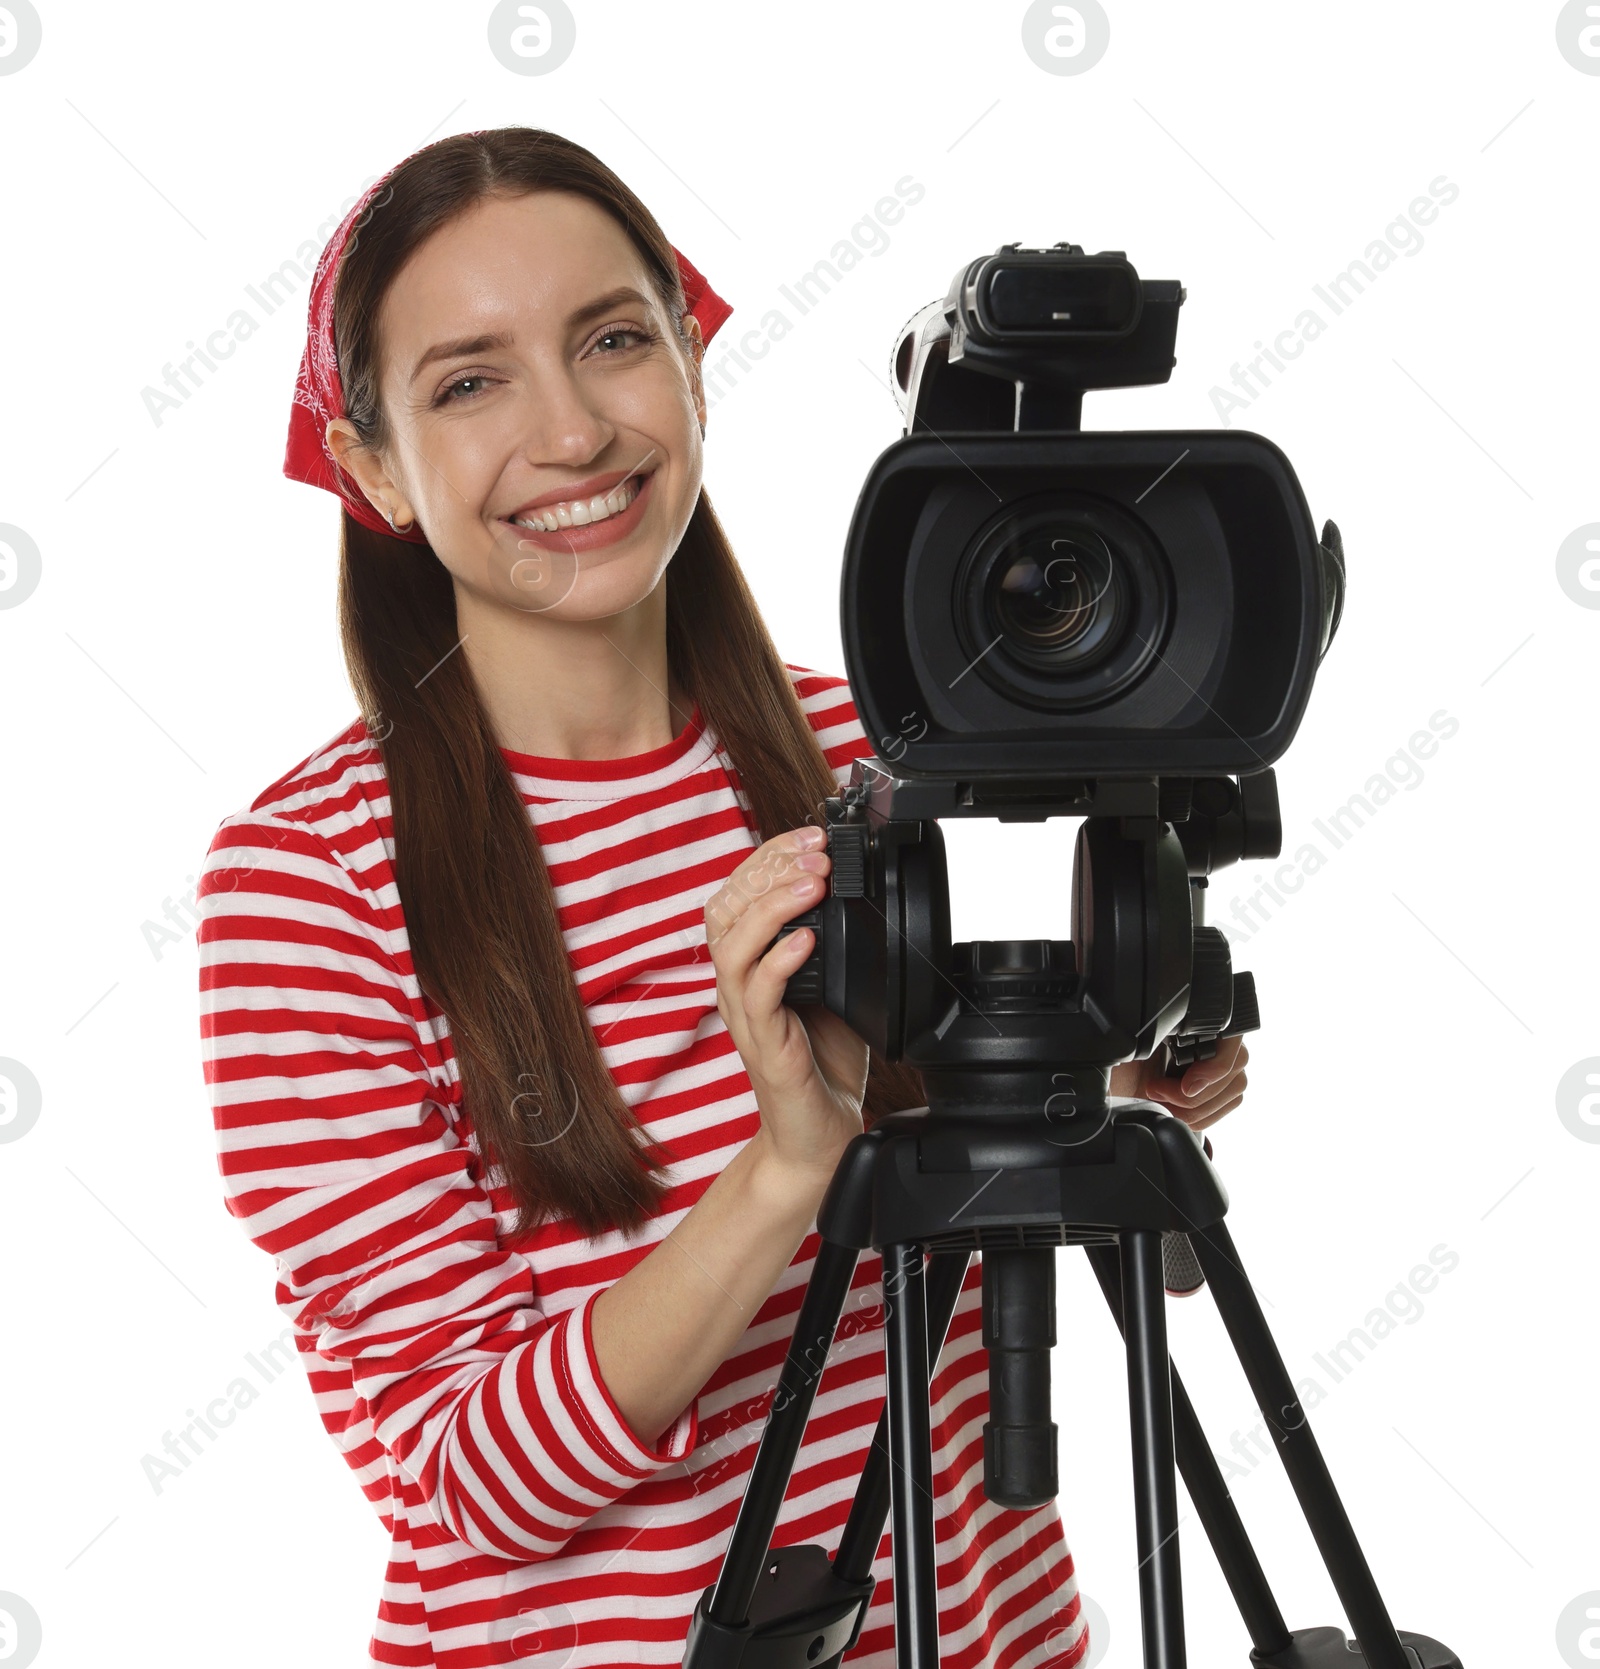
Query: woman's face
pixel 526 358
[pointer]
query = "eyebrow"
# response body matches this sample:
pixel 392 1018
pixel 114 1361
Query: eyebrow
pixel 466 346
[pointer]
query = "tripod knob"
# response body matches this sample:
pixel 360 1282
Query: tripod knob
pixel 1175 799
pixel 1211 986
pixel 847 846
pixel 808 983
pixel 1246 1016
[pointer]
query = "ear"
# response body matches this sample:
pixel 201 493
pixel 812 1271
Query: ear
pixel 697 350
pixel 365 467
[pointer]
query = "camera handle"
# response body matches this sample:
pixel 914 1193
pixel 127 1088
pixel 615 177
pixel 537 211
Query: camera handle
pixel 1228 1001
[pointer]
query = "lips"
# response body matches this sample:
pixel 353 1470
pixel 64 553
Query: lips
pixel 588 535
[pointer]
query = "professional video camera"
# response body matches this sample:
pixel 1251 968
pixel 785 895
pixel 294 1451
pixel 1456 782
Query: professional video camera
pixel 1042 623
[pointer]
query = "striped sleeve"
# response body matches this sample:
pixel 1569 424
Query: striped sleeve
pixel 337 1158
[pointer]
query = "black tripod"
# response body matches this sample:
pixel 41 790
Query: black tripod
pixel 1020 1151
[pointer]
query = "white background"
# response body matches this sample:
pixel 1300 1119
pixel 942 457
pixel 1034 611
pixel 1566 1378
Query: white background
pixel 1423 993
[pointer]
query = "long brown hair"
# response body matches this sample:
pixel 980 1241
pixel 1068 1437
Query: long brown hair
pixel 480 912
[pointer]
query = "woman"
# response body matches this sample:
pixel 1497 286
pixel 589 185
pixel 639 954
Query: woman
pixel 501 1071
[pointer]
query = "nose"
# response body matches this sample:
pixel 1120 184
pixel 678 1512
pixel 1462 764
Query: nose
pixel 560 422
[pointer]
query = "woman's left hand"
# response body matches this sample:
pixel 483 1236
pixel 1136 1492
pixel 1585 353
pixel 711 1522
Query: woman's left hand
pixel 1207 1091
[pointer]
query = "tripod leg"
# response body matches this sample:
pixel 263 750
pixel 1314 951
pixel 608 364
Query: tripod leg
pixel 1209 1490
pixel 1302 1459
pixel 863 1530
pixel 780 1440
pixel 916 1594
pixel 1155 1488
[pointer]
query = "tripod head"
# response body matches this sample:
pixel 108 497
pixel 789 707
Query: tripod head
pixel 998 1026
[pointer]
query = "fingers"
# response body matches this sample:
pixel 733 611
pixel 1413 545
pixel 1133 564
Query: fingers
pixel 765 986
pixel 1200 1122
pixel 1206 1078
pixel 782 878
pixel 1203 1077
pixel 1207 1109
pixel 1209 1089
pixel 760 896
pixel 1231 1056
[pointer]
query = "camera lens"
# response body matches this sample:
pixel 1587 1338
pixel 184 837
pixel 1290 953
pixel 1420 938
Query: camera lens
pixel 1056 600
pixel 1060 600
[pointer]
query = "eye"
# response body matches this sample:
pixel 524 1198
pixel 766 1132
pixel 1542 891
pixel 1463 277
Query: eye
pixel 448 395
pixel 617 332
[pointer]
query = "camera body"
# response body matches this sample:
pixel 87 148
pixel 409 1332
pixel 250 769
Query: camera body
pixel 1022 598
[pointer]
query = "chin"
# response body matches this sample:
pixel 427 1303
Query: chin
pixel 601 590
pixel 602 601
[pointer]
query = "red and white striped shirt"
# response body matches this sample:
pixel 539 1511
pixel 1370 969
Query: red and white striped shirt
pixel 453 1367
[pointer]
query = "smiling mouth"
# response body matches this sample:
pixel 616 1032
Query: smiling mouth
pixel 582 512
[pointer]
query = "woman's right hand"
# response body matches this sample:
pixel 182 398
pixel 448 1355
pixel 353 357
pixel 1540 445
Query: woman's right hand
pixel 809 1074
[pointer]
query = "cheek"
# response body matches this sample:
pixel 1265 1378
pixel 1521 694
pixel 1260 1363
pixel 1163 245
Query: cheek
pixel 464 463
pixel 656 410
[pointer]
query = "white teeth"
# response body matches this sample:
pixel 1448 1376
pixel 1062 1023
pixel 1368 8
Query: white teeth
pixel 580 512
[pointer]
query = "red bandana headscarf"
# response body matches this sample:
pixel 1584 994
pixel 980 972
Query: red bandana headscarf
pixel 318 398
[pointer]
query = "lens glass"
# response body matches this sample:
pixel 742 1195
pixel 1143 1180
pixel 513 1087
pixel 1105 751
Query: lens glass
pixel 1060 600
pixel 1055 598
